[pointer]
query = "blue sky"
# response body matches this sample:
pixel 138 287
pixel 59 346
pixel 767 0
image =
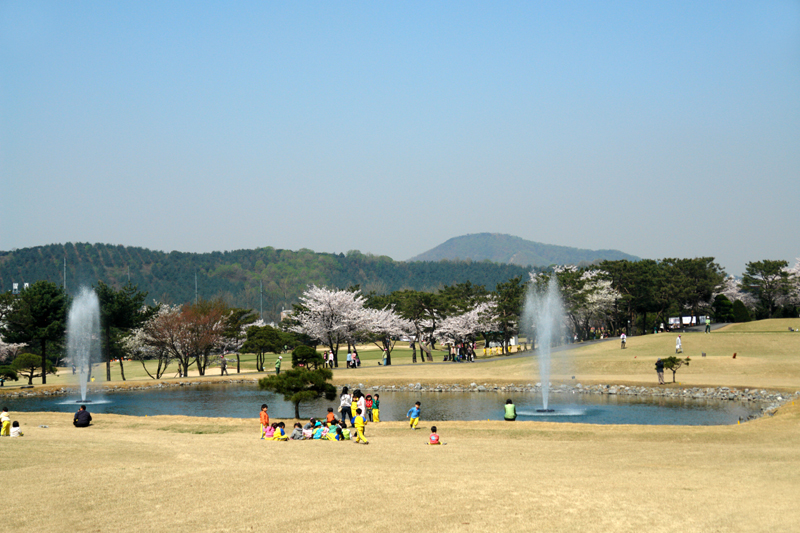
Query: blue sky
pixel 663 129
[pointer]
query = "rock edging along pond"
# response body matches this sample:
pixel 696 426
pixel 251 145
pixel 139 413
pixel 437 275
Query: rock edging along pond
pixel 772 399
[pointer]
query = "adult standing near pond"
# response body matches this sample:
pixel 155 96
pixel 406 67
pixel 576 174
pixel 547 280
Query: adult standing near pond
pixel 660 370
pixel 344 405
pixel 678 345
pixel 278 365
pixel 510 411
pixel 82 418
pixel 708 324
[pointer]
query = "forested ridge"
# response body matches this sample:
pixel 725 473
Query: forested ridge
pixel 236 276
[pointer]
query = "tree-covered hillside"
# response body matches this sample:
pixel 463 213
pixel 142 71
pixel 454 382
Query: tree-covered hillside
pixel 501 248
pixel 236 276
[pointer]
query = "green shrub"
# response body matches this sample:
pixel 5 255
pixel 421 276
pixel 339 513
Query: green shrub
pixel 306 356
pixel 740 312
pixel 723 309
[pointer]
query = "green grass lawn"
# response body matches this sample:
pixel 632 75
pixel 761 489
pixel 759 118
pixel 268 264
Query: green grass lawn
pixel 768 355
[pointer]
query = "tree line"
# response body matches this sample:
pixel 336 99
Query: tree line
pixel 612 295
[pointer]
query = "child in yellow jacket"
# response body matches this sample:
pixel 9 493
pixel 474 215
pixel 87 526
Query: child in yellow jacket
pixel 360 424
pixel 5 419
pixel 280 432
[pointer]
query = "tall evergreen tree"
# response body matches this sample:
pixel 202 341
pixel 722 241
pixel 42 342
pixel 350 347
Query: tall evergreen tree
pixel 120 311
pixel 38 318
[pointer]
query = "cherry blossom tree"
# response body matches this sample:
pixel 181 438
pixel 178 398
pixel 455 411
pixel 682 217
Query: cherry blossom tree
pixel 143 346
pixel 384 327
pixel 465 326
pixel 732 289
pixel 794 277
pixel 8 351
pixel 188 333
pixel 588 295
pixel 330 316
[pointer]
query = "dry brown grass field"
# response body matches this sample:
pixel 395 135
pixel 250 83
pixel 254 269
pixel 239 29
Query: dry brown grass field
pixel 187 474
pixel 200 474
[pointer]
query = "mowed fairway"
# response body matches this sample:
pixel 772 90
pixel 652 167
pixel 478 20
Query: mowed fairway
pixel 202 474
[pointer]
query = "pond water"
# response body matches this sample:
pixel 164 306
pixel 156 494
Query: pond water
pixel 244 401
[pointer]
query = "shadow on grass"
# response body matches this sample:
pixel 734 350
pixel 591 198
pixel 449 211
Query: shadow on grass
pixel 195 430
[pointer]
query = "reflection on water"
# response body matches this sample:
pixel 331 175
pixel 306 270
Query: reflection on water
pixel 244 401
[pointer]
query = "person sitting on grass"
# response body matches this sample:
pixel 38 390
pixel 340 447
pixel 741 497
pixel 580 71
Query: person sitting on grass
pixel 511 411
pixel 297 432
pixel 269 431
pixel 15 429
pixel 331 433
pixel 330 417
pixel 319 430
pixel 82 418
pixel 433 440
pixel 280 432
pixel 345 431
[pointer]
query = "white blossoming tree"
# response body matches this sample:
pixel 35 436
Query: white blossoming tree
pixel 466 326
pixel 151 342
pixel 588 295
pixel 330 316
pixel 384 327
pixel 732 289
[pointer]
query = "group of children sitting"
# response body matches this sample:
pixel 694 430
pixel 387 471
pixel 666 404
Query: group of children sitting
pixel 7 427
pixel 330 429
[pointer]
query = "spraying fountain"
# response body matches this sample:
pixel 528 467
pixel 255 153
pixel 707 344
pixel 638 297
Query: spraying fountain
pixel 83 336
pixel 543 320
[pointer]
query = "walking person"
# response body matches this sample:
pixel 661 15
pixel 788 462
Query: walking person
pixel 413 415
pixel 660 371
pixel 623 338
pixel 708 324
pixel 278 365
pixel 224 366
pixel 678 345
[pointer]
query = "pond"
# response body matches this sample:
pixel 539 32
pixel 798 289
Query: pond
pixel 244 401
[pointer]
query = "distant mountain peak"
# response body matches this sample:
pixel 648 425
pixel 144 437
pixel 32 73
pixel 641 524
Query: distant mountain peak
pixel 502 248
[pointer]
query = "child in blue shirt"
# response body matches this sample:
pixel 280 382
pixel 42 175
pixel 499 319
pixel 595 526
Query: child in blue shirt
pixel 413 415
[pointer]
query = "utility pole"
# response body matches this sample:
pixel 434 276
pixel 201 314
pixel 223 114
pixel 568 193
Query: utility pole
pixel 261 299
pixel 195 287
pixel 65 272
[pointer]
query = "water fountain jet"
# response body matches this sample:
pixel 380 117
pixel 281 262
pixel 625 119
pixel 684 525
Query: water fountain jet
pixel 543 320
pixel 83 336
